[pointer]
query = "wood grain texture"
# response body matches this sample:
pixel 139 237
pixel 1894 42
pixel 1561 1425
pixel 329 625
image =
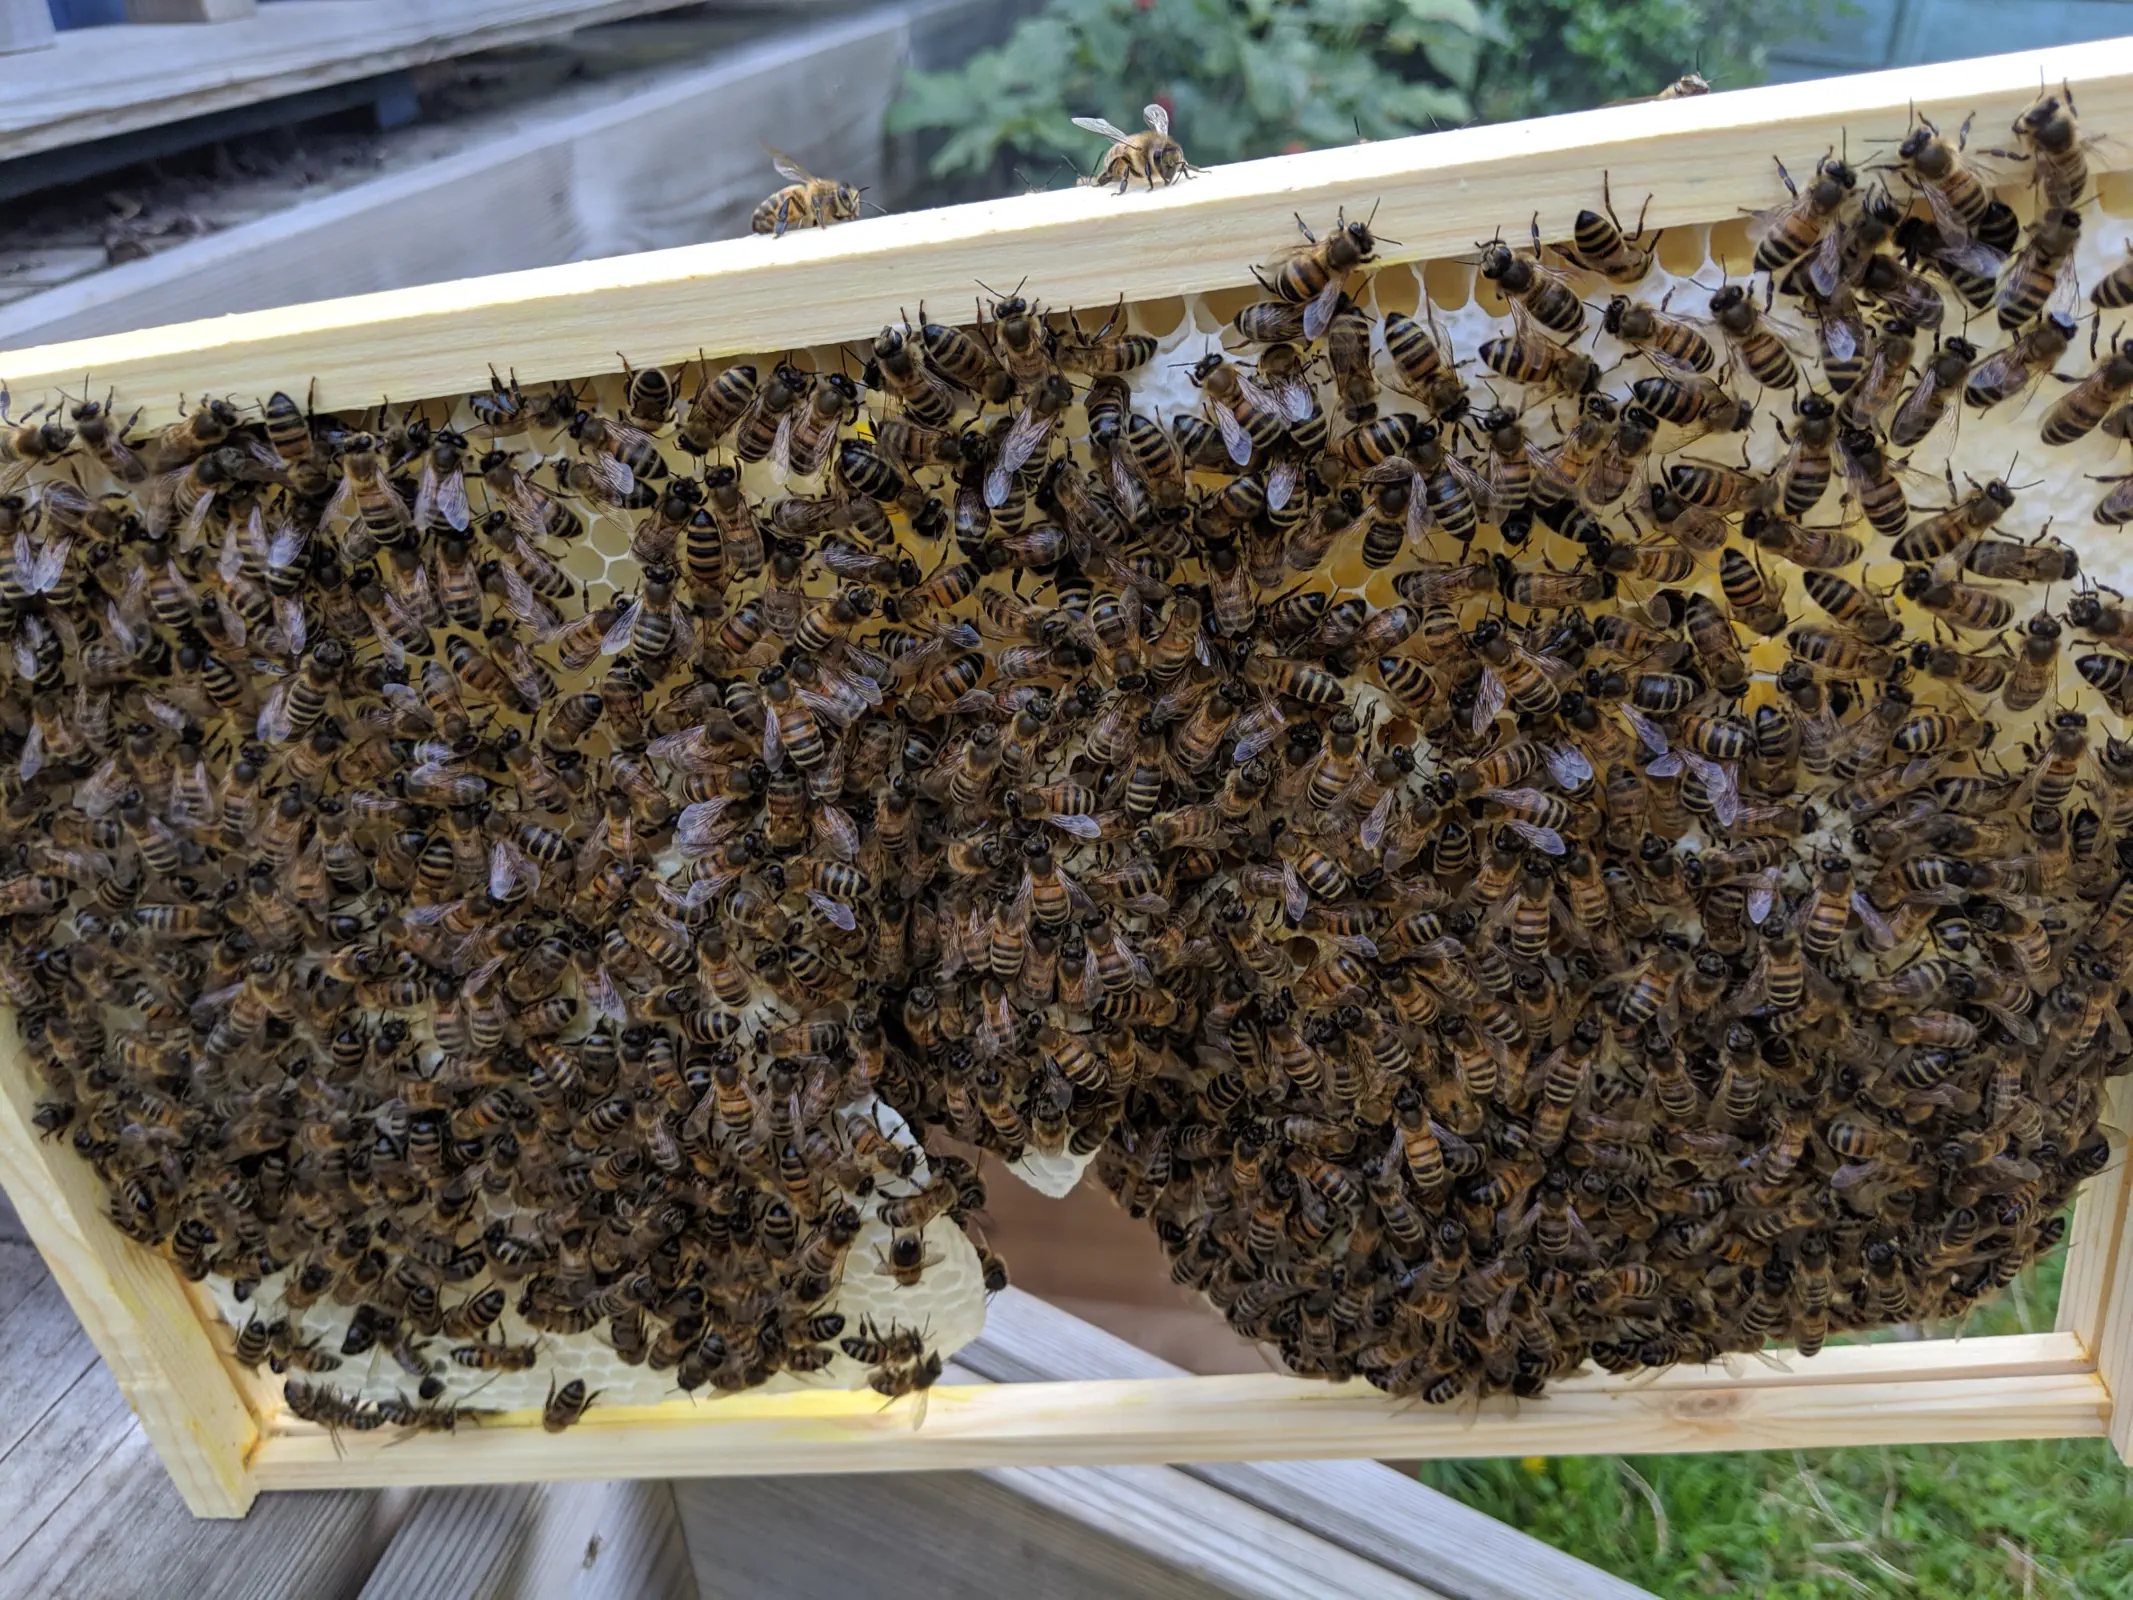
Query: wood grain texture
pixel 166 11
pixel 87 1510
pixel 133 1305
pixel 1701 159
pixel 1037 1534
pixel 25 25
pixel 656 165
pixel 2019 1387
pixel 2101 1280
pixel 101 81
pixel 579 1541
pixel 2095 1243
pixel 1373 1511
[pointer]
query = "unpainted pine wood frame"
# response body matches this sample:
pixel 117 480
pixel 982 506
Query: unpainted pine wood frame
pixel 1703 160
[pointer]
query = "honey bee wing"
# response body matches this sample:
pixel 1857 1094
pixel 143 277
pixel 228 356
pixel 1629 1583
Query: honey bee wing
pixel 1762 896
pixel 773 752
pixel 294 626
pixel 1469 478
pixel 1235 439
pixel 840 834
pixel 229 560
pixel 1099 125
pixel 1295 400
pixel 1546 840
pixel 509 868
pixel 835 912
pixel 426 497
pixel 827 707
pixel 615 479
pixel 1718 783
pixel 1421 516
pixel 1295 899
pixel 684 641
pixel 1318 315
pixel 696 830
pixel 1157 118
pixel 404 699
pixel 617 637
pixel 1489 699
pixel 523 671
pixel 1840 335
pixel 342 502
pixel 524 509
pixel 1281 483
pixel 31 761
pixel 1081 827
pixel 1567 765
pixel 2017 1026
pixel 786 167
pixel 1826 264
pixel 43 574
pixel 2066 290
pixel 232 620
pixel 274 725
pixel 1256 730
pixel 526 605
pixel 866 685
pixel 193 532
pixel 1372 828
pixel 1882 936
pixel 1023 438
pixel 450 499
pixel 1648 732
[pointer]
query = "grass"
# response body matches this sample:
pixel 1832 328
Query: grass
pixel 2028 1521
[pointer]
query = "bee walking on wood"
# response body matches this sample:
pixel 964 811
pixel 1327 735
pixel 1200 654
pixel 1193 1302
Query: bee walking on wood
pixel 1148 156
pixel 806 201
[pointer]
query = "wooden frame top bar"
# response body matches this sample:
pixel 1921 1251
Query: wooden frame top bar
pixel 1702 158
pixel 2024 1386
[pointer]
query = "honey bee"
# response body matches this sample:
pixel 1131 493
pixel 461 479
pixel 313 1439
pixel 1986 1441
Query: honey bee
pixel 2011 371
pixel 1316 273
pixel 1760 351
pixel 2058 159
pixel 1670 341
pixel 1945 375
pixel 1527 356
pixel 806 201
pixel 1542 293
pixel 1148 156
pixel 1808 224
pixel 2034 279
pixel 1599 243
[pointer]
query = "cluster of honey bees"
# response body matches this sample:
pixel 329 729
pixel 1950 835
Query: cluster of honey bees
pixel 1569 849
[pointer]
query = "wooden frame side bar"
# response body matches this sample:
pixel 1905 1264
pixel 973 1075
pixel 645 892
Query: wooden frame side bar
pixel 1700 159
pixel 2095 1242
pixel 134 1305
pixel 2023 1387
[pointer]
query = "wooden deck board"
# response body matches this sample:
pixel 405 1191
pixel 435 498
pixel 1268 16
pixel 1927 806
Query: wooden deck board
pixel 652 165
pixel 96 82
pixel 1376 1512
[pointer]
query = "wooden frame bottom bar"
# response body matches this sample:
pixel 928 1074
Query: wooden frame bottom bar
pixel 2026 1386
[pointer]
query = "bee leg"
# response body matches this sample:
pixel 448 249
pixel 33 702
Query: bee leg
pixel 1785 177
pixel 1304 228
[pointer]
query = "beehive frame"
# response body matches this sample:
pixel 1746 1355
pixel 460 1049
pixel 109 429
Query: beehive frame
pixel 224 1437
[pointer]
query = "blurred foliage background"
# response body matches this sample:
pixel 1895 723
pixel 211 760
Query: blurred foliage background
pixel 1245 78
